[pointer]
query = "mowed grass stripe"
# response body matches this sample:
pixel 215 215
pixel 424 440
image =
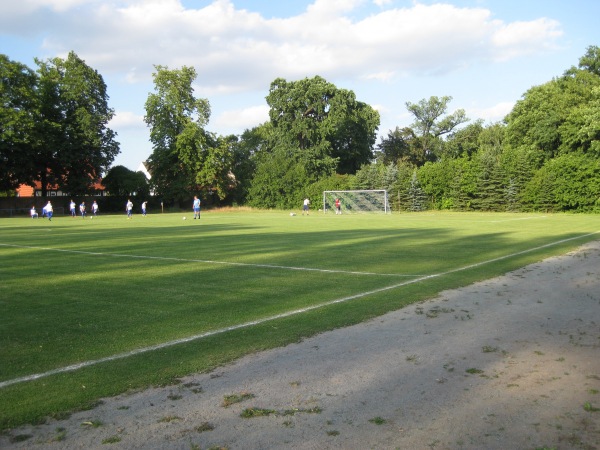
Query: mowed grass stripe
pixel 115 304
pixel 268 319
pixel 203 261
pixel 72 308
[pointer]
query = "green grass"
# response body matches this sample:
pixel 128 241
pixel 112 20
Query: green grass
pixel 77 290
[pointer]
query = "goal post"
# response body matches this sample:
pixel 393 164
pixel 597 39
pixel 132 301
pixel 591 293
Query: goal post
pixel 357 201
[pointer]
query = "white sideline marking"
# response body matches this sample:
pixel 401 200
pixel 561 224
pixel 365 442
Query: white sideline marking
pixel 206 261
pixel 518 218
pixel 139 351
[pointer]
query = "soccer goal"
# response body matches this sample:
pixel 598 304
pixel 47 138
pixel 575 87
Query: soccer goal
pixel 352 202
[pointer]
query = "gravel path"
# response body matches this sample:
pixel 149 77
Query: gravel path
pixel 508 363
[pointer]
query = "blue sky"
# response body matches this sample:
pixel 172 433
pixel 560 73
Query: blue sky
pixel 485 54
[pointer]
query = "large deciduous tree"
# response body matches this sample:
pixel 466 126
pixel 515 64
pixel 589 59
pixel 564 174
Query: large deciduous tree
pixel 561 116
pixel 429 125
pixel 591 60
pixel 332 130
pixel 121 181
pixel 315 131
pixel 176 119
pixel 18 119
pixel 77 147
pixel 53 125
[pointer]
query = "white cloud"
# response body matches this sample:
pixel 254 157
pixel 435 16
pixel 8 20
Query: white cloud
pixel 237 53
pixel 380 76
pixel 234 49
pixel 240 119
pixel 29 6
pixel 525 38
pixel 126 119
pixel 494 113
pixel 382 3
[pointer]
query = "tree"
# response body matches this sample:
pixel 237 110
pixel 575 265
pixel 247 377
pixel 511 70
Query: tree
pixel 549 118
pixel 417 198
pixel 352 133
pixel 328 127
pixel 399 145
pixel 464 141
pixel 591 60
pixel 215 173
pixel 246 151
pixel 580 132
pixel 119 180
pixel 53 125
pixel 18 117
pixel 176 119
pixel 280 180
pixel 576 181
pixel 76 147
pixel 430 125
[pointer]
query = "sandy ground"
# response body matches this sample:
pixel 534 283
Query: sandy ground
pixel 508 363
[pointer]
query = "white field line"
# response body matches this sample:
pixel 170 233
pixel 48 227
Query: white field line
pixel 163 345
pixel 206 261
pixel 518 218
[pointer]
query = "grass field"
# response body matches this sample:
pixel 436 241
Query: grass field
pixel 94 308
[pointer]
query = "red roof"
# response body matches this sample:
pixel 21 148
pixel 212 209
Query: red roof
pixel 25 190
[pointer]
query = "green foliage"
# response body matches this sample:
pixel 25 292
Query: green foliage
pixel 251 142
pixel 576 182
pixel 53 125
pixel 316 131
pixel 77 146
pixel 436 179
pixel 464 142
pixel 121 181
pixel 176 120
pixel 400 145
pixel 417 199
pixel 315 117
pixel 280 180
pixel 567 183
pixel 18 113
pixel 581 129
pixel 591 60
pixel 492 190
pixel 538 193
pixel 429 124
pixel 549 117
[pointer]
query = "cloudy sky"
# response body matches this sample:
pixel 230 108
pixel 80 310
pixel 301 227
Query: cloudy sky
pixel 483 53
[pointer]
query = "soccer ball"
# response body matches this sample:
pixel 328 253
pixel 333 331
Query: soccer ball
pixel 184 217
pixel 292 214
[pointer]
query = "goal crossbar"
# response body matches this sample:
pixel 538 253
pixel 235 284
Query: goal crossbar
pixel 353 201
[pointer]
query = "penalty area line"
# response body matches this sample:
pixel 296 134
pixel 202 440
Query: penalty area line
pixel 196 337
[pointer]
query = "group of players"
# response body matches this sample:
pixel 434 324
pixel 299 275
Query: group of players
pixel 47 211
pixel 83 209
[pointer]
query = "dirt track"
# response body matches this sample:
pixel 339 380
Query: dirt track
pixel 508 363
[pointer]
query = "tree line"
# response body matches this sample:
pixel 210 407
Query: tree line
pixel 543 156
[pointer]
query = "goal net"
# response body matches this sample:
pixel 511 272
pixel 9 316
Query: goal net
pixel 352 202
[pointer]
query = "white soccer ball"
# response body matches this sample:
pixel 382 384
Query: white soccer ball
pixel 184 217
pixel 292 214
